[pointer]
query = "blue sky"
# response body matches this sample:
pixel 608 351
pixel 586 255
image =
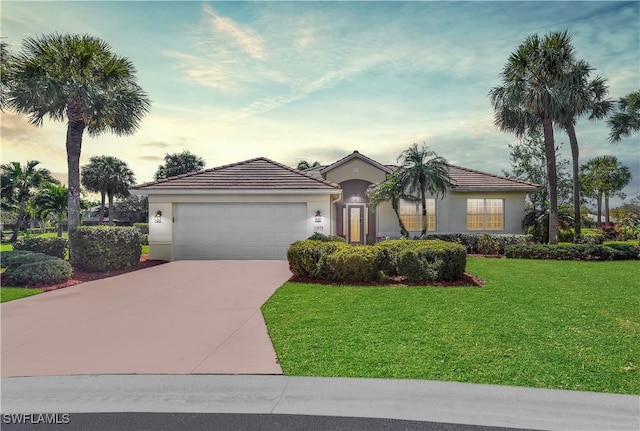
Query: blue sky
pixel 316 80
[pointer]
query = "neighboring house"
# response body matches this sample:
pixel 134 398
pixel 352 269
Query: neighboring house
pixel 256 208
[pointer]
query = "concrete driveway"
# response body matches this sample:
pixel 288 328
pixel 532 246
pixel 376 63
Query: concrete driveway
pixel 184 317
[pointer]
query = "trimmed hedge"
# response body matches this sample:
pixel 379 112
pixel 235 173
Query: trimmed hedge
pixel 432 260
pixel 354 264
pixel 105 248
pixel 52 246
pixel 143 227
pixel 322 237
pixel 573 252
pixel 304 256
pixel 470 240
pixel 416 260
pixel 26 268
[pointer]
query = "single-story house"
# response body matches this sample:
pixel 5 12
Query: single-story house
pixel 256 208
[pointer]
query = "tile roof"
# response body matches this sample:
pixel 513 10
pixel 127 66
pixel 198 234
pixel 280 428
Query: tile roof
pixel 465 179
pixel 254 174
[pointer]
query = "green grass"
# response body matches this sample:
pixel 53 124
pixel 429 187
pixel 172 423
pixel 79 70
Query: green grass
pixel 12 293
pixel 145 249
pixel 548 324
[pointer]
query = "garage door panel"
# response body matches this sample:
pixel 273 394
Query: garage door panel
pixel 237 231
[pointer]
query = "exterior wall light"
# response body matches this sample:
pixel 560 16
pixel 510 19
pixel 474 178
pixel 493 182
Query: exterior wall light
pixel 158 217
pixel 318 216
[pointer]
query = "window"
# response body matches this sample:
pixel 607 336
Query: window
pixel 485 214
pixel 411 215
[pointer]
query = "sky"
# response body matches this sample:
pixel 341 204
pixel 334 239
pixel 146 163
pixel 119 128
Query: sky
pixel 230 81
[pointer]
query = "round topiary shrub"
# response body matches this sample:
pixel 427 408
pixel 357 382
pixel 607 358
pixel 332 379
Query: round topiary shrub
pixel 43 272
pixel 14 259
pixel 105 248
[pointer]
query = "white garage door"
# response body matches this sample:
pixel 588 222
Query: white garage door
pixel 238 231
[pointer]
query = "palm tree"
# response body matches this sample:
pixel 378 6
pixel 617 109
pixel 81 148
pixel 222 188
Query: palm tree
pixel 18 184
pixel 603 177
pixel 79 79
pixel 5 68
pixel 108 176
pixel 305 164
pixel 390 190
pixel 533 79
pixel 421 171
pixel 583 97
pixel 51 199
pixel 627 119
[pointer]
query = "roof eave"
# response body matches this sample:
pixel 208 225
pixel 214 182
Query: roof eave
pixel 173 191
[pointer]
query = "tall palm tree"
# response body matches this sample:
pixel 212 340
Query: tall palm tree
pixel 79 79
pixel 423 171
pixel 108 176
pixel 5 69
pixel 51 199
pixel 390 190
pixel 627 118
pixel 583 96
pixel 18 185
pixel 531 94
pixel 603 177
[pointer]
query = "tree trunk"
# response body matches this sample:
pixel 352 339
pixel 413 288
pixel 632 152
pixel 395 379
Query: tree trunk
pixel 110 209
pixel 575 152
pixel 60 225
pixel 75 129
pixel 102 208
pixel 423 202
pixel 552 176
pixel 599 208
pixel 606 207
pixel 18 225
pixel 403 229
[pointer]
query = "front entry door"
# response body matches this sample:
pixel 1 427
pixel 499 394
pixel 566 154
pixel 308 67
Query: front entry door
pixel 355 224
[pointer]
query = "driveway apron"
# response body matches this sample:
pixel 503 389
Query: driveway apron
pixel 184 317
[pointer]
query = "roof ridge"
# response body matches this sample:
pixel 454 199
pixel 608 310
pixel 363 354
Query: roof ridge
pixel 297 171
pixel 492 175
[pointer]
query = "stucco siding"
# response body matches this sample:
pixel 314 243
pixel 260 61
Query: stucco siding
pixel 355 169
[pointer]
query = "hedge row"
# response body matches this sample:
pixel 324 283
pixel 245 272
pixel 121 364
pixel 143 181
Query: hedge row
pixel 52 246
pixel 483 243
pixel 415 260
pixel 574 252
pixel 26 268
pixel 105 248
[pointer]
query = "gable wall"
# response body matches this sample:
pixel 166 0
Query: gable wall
pixel 355 169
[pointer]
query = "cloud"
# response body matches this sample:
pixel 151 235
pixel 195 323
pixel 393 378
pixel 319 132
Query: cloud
pixel 151 158
pixel 246 39
pixel 157 144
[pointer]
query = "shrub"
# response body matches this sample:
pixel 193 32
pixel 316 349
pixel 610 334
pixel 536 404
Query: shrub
pixel 52 246
pixel 470 240
pixel 48 271
pixel 390 250
pixel 322 237
pixel 488 245
pixel 572 252
pixel 355 264
pixel 590 238
pixel 143 227
pixel 305 256
pixel 565 235
pixel 19 258
pixel 105 248
pixel 433 260
pixel 144 239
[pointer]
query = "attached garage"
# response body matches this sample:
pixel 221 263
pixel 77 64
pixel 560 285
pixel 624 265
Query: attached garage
pixel 238 231
pixel 251 210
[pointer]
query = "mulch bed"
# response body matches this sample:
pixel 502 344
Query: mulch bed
pixel 80 276
pixel 467 280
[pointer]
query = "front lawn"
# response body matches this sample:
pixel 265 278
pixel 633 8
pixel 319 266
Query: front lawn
pixel 549 324
pixel 11 293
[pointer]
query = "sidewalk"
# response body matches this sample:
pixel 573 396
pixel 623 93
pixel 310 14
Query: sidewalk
pixel 459 403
